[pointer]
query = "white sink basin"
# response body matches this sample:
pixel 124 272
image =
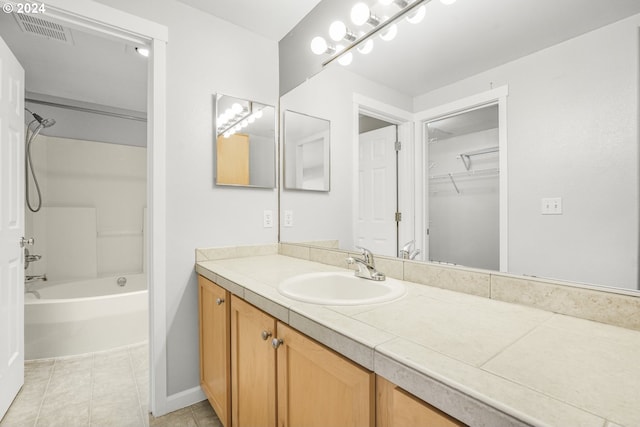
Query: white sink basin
pixel 338 288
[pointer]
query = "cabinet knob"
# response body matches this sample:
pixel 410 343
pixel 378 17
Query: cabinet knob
pixel 276 342
pixel 265 335
pixel 219 301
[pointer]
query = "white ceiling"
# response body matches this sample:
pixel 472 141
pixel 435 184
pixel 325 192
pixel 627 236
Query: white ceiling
pixel 270 18
pixel 471 36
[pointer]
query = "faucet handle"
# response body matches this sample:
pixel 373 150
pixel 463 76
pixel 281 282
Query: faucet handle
pixel 367 255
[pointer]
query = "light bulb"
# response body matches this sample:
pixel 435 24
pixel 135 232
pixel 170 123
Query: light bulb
pixel 390 33
pixel 346 59
pixel 447 2
pixel 366 48
pixel 337 31
pixel 319 45
pixel 251 118
pixel 418 16
pixel 237 128
pixel 360 14
pixel 258 114
pixel 236 108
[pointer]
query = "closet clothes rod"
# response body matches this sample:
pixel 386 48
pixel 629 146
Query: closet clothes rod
pixel 87 110
pixel 469 174
pixel 466 157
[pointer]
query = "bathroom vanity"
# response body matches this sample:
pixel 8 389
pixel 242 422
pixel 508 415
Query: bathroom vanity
pixel 432 354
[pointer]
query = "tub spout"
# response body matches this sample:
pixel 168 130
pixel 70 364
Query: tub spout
pixel 29 279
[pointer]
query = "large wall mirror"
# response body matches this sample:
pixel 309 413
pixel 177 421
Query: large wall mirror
pixel 307 144
pixel 551 175
pixel 245 153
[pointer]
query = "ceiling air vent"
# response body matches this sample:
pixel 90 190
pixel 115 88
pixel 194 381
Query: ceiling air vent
pixel 43 28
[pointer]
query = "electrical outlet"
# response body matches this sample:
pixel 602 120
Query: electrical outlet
pixel 288 218
pixel 551 206
pixel 268 219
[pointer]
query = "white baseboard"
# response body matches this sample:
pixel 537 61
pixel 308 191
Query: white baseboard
pixel 182 400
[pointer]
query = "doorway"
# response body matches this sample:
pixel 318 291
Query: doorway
pixel 114 24
pixel 464 188
pixel 463 153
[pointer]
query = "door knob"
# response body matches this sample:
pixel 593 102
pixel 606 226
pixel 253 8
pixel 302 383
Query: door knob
pixel 24 242
pixel 265 335
pixel 276 342
pixel 219 301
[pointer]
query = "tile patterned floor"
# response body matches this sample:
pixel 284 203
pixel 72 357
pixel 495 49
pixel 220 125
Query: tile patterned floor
pixel 95 390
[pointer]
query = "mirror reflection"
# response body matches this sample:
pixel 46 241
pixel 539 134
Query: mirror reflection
pixel 306 152
pixel 464 188
pixel 245 152
pixel 558 199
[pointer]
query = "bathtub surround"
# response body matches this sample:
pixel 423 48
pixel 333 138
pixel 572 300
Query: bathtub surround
pixel 482 361
pixel 94 195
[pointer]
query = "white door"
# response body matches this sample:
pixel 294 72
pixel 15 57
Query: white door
pixel 11 227
pixel 376 227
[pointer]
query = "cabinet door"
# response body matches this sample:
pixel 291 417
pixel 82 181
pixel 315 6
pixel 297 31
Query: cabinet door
pixel 215 341
pixel 253 366
pixel 397 408
pixel 318 387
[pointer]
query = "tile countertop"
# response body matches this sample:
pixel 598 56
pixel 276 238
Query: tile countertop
pixel 485 362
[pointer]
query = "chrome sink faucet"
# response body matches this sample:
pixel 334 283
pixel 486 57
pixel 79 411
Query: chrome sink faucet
pixel 366 266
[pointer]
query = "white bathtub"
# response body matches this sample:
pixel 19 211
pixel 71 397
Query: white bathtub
pixel 85 316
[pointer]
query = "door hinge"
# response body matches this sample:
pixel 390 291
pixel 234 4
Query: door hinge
pixel 398 145
pixel 398 216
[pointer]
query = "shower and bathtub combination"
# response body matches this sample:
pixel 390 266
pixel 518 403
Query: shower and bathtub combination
pixel 85 287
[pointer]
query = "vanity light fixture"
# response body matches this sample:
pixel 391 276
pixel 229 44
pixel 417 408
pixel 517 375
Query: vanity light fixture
pixel 236 118
pixel 339 31
pixel 361 14
pixel 366 47
pixel 319 46
pixel 413 10
pixel 390 33
pixel 414 17
pixel 345 59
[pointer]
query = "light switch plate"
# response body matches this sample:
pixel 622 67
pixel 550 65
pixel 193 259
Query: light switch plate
pixel 268 219
pixel 288 218
pixel 551 206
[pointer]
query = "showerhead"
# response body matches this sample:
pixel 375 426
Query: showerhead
pixel 44 122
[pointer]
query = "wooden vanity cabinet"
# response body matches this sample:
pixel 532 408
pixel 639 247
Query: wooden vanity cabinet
pixel 318 387
pixel 215 341
pixel 397 408
pixel 314 386
pixel 257 371
pixel 253 366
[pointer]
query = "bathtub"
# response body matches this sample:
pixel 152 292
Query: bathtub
pixel 76 317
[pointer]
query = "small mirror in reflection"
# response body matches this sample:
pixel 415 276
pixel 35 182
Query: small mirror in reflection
pixel 245 143
pixel 306 152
